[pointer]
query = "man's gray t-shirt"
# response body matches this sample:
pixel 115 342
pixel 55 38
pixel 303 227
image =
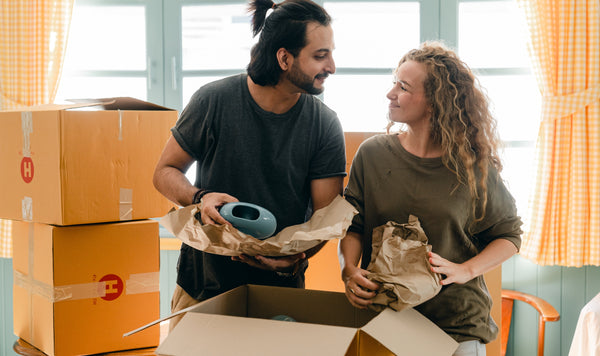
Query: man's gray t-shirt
pixel 258 157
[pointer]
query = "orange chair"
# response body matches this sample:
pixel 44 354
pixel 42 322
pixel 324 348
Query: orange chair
pixel 545 310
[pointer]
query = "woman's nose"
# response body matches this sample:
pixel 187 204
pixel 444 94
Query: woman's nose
pixel 391 94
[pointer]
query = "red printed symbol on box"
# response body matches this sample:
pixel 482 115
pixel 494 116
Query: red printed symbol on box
pixel 27 169
pixel 114 286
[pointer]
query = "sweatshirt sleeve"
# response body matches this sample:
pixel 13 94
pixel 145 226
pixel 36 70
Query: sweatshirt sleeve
pixel 501 220
pixel 354 192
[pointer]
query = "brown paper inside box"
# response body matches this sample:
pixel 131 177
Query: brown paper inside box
pixel 328 223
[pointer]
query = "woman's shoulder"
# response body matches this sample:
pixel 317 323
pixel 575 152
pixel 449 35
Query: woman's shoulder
pixel 377 141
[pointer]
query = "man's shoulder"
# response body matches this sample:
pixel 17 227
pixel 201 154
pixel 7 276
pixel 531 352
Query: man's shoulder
pixel 224 85
pixel 318 105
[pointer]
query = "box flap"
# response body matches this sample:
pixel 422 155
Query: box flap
pixel 409 333
pixel 117 103
pixel 52 107
pixel 210 334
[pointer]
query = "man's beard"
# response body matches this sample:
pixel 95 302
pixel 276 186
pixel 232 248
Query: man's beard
pixel 297 77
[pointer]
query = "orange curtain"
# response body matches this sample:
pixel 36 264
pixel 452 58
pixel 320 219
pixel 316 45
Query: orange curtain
pixel 565 206
pixel 32 47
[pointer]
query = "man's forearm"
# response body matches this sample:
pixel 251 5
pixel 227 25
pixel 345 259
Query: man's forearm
pixel 173 184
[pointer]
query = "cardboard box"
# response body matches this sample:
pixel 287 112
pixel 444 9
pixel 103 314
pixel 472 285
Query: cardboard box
pixel 83 163
pixel 239 322
pixel 77 289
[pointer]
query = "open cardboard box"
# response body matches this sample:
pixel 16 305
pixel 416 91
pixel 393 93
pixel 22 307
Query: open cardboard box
pixel 239 322
pixel 83 163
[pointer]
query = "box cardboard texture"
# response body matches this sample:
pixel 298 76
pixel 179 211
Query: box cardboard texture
pixel 239 322
pixel 77 289
pixel 84 163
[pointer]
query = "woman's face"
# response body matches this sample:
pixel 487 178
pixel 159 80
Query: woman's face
pixel 407 97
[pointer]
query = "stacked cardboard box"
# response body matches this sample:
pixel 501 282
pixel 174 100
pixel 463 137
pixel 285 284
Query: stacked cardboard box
pixel 77 183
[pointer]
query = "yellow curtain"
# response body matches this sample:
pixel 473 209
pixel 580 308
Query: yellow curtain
pixel 565 206
pixel 32 46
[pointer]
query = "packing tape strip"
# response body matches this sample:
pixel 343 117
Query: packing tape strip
pixel 125 204
pixel 79 291
pixel 27 208
pixel 139 283
pixel 120 125
pixel 31 257
pixel 27 128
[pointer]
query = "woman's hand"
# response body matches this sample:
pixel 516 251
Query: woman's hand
pixel 359 289
pixel 453 272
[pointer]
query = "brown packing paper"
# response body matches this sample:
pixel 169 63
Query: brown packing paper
pixel 400 264
pixel 328 223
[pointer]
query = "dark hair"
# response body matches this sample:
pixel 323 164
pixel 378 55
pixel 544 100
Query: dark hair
pixel 285 28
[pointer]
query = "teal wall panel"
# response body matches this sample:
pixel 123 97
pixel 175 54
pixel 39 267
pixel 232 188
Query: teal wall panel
pixel 592 283
pixel 7 337
pixel 549 285
pixel 524 279
pixel 568 289
pixel 573 299
pixel 168 279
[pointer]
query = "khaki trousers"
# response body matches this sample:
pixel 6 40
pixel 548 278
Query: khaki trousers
pixel 180 300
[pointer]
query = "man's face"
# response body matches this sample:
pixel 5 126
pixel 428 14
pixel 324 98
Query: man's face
pixel 315 61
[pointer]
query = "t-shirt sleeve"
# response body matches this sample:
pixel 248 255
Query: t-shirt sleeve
pixel 192 129
pixel 501 220
pixel 329 160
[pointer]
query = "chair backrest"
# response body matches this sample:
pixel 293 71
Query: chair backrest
pixel 546 313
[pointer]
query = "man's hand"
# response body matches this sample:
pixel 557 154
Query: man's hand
pixel 210 205
pixel 277 264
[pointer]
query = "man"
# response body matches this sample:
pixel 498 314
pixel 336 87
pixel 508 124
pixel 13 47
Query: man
pixel 259 138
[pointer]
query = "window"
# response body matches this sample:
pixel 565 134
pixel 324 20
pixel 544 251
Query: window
pixel 112 51
pixel 164 50
pixel 498 54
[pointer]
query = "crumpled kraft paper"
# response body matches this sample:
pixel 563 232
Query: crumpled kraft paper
pixel 400 264
pixel 328 223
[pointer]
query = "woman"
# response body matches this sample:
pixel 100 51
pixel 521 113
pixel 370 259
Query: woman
pixel 443 168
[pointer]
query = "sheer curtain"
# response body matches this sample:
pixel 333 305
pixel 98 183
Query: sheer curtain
pixel 565 204
pixel 32 47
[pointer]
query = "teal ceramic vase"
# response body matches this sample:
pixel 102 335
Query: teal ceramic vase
pixel 250 219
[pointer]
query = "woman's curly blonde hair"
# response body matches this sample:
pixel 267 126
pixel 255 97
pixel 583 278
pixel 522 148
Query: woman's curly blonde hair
pixel 461 121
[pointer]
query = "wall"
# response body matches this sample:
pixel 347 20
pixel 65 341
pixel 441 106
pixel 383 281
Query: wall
pixel 568 289
pixel 7 338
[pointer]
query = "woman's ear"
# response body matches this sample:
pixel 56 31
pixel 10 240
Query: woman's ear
pixel 283 58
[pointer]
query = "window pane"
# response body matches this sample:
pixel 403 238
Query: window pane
pixel 492 34
pixel 101 87
pixel 216 36
pixel 516 103
pixel 518 175
pixel 373 34
pixel 359 100
pixel 107 38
